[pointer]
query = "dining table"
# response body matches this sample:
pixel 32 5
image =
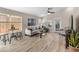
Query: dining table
pixel 7 36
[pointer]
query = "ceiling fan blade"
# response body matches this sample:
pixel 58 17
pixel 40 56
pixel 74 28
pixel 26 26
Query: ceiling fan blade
pixel 50 12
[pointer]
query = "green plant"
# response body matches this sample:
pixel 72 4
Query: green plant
pixel 74 39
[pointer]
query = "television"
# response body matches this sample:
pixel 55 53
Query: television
pixel 31 22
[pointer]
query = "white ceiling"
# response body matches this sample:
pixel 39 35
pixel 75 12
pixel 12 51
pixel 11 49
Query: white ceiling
pixel 37 11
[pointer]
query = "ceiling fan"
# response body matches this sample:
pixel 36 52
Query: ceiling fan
pixel 50 10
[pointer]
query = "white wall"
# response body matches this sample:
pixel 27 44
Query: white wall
pixel 65 17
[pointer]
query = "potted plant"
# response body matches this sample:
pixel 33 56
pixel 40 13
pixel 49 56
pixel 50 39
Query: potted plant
pixel 74 42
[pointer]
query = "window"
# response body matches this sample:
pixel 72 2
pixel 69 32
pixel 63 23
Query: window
pixel 3 23
pixel 6 21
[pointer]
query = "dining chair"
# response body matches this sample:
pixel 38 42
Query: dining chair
pixel 19 35
pixel 11 36
pixel 4 38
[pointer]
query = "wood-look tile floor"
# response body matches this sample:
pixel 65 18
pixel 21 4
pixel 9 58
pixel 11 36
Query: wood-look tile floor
pixel 51 42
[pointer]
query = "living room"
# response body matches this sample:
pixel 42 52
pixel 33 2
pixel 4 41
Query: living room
pixel 36 29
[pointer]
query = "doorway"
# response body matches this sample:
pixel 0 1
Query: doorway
pixel 57 24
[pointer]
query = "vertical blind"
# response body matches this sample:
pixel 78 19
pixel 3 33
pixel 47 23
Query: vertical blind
pixel 6 21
